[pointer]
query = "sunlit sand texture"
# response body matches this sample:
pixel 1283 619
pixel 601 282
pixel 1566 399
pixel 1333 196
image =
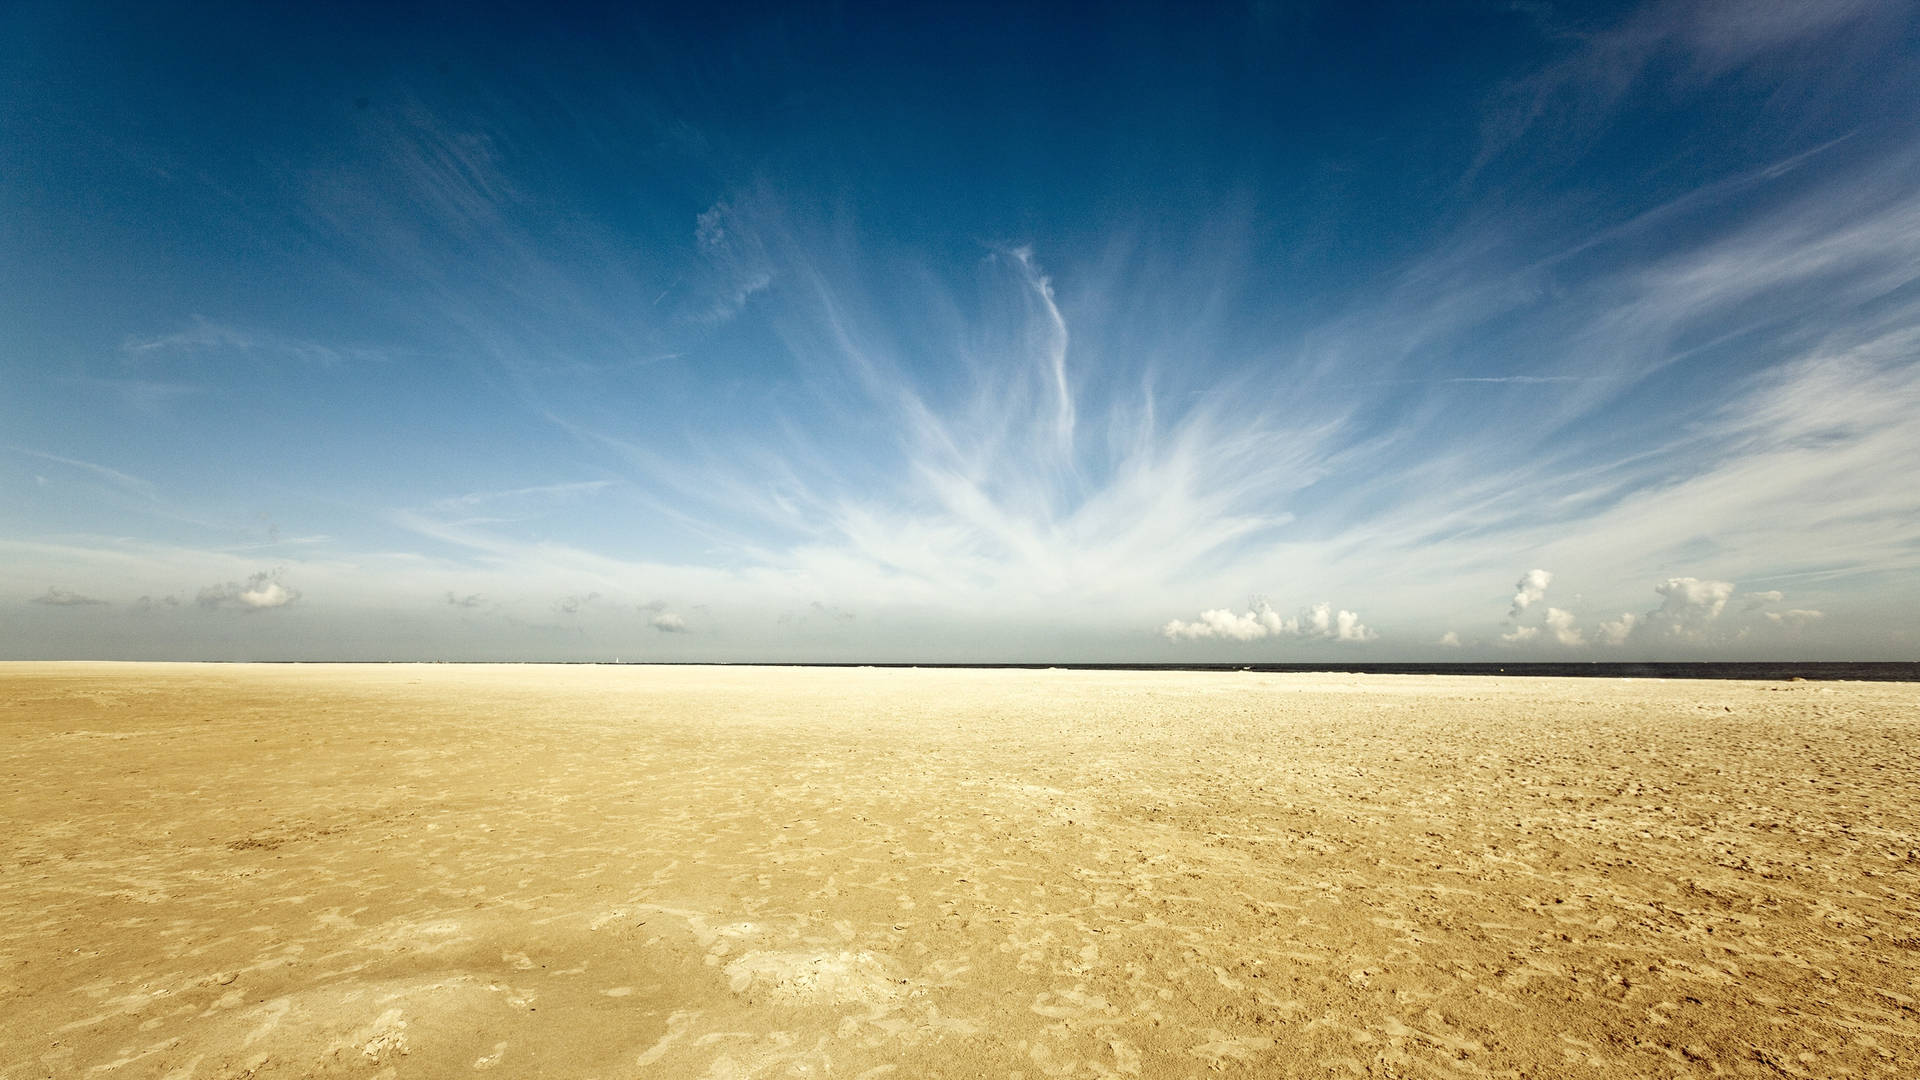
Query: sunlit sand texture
pixel 438 871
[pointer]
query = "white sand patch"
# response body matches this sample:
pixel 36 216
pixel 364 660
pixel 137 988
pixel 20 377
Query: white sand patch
pixel 488 1061
pixel 809 978
pixel 677 1025
pixel 384 1038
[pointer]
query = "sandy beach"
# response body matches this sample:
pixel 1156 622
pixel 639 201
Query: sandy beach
pixel 437 871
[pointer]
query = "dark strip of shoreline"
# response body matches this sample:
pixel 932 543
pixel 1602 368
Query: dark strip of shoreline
pixel 1760 670
pixel 1748 670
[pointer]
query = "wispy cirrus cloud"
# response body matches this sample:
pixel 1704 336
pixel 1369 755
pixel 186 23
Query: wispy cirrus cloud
pixel 1576 96
pixel 536 493
pixel 205 336
pixel 1018 483
pixel 967 417
pixel 124 481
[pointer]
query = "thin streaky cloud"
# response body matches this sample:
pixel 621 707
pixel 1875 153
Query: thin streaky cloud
pixel 539 491
pixel 123 480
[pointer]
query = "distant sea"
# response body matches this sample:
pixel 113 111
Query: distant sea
pixel 1764 670
pixel 1760 670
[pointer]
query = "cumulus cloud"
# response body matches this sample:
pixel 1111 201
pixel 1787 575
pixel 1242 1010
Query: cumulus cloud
pixel 58 597
pixel 261 591
pixel 1689 608
pixel 148 604
pixel 668 622
pixel 1561 624
pixel 1450 639
pixel 1222 623
pixel 1796 618
pixel 1617 631
pixel 1320 622
pixel 1758 600
pixel 1529 590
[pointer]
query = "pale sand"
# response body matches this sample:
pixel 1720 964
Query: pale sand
pixel 704 872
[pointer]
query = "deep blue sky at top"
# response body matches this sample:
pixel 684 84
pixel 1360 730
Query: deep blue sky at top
pixel 708 277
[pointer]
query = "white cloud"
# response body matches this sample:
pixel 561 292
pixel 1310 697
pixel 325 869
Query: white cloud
pixel 125 481
pixel 1690 607
pixel 203 335
pixel 58 597
pixel 1561 623
pixel 1187 483
pixel 1529 590
pixel 1196 480
pixel 1053 347
pixel 668 622
pixel 1617 631
pixel 736 260
pixel 1577 96
pixel 1797 617
pixel 262 591
pixel 1758 600
pixel 1320 622
pixel 544 491
pixel 1520 635
pixel 1450 639
pixel 1220 623
pixel 1347 627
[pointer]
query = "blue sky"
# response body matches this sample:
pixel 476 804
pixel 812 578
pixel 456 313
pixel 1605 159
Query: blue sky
pixel 1260 332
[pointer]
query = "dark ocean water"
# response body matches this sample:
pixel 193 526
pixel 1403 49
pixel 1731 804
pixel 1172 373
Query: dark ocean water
pixel 1779 671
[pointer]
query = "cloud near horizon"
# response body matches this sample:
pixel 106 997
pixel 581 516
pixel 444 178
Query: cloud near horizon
pixel 261 592
pixel 1320 621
